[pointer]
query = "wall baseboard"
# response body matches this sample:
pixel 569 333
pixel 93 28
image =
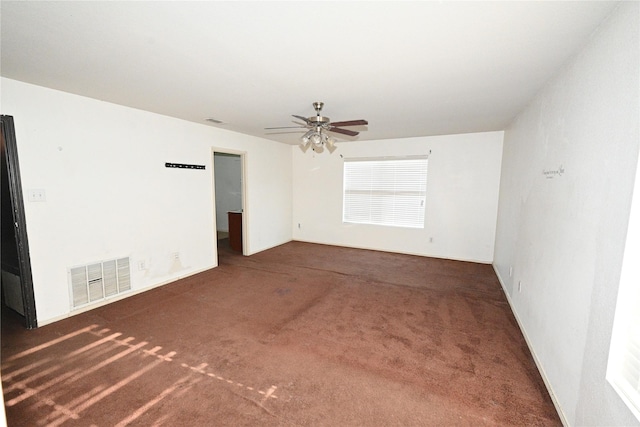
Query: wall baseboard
pixel 545 379
pixel 369 248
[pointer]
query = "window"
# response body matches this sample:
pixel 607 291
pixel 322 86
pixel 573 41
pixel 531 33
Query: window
pixel 623 370
pixel 387 191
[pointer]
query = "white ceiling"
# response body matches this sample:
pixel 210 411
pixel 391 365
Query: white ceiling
pixel 409 68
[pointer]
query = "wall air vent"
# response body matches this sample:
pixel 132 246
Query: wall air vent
pixel 99 281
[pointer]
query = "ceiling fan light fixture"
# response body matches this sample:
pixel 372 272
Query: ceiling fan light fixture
pixel 305 138
pixel 316 139
pixel 304 146
pixel 331 145
pixel 330 141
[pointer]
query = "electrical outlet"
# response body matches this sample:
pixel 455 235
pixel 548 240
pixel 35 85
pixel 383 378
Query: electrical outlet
pixel 298 226
pixel 37 195
pixel 430 239
pixel 141 265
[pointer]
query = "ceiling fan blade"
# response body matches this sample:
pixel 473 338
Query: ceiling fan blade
pixel 351 123
pixel 285 132
pixel 304 119
pixel 343 131
pixel 287 127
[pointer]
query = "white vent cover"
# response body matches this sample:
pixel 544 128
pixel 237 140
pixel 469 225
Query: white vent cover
pixel 95 282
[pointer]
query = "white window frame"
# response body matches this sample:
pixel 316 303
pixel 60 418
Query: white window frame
pixel 386 191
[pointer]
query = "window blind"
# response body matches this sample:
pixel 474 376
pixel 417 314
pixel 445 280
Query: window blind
pixel 389 191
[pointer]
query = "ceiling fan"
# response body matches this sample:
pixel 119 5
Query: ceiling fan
pixel 318 125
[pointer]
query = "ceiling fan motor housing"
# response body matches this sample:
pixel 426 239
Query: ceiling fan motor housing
pixel 319 120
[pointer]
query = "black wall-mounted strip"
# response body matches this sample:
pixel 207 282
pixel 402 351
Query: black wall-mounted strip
pixel 183 166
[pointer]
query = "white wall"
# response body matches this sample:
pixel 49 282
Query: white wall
pixel 461 207
pixel 108 193
pixel 567 176
pixel 228 185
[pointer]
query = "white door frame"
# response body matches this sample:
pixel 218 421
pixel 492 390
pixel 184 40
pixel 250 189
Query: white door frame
pixel 245 208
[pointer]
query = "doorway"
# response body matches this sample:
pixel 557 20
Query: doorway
pixel 17 281
pixel 228 176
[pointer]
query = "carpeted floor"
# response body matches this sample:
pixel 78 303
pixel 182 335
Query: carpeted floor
pixel 298 335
